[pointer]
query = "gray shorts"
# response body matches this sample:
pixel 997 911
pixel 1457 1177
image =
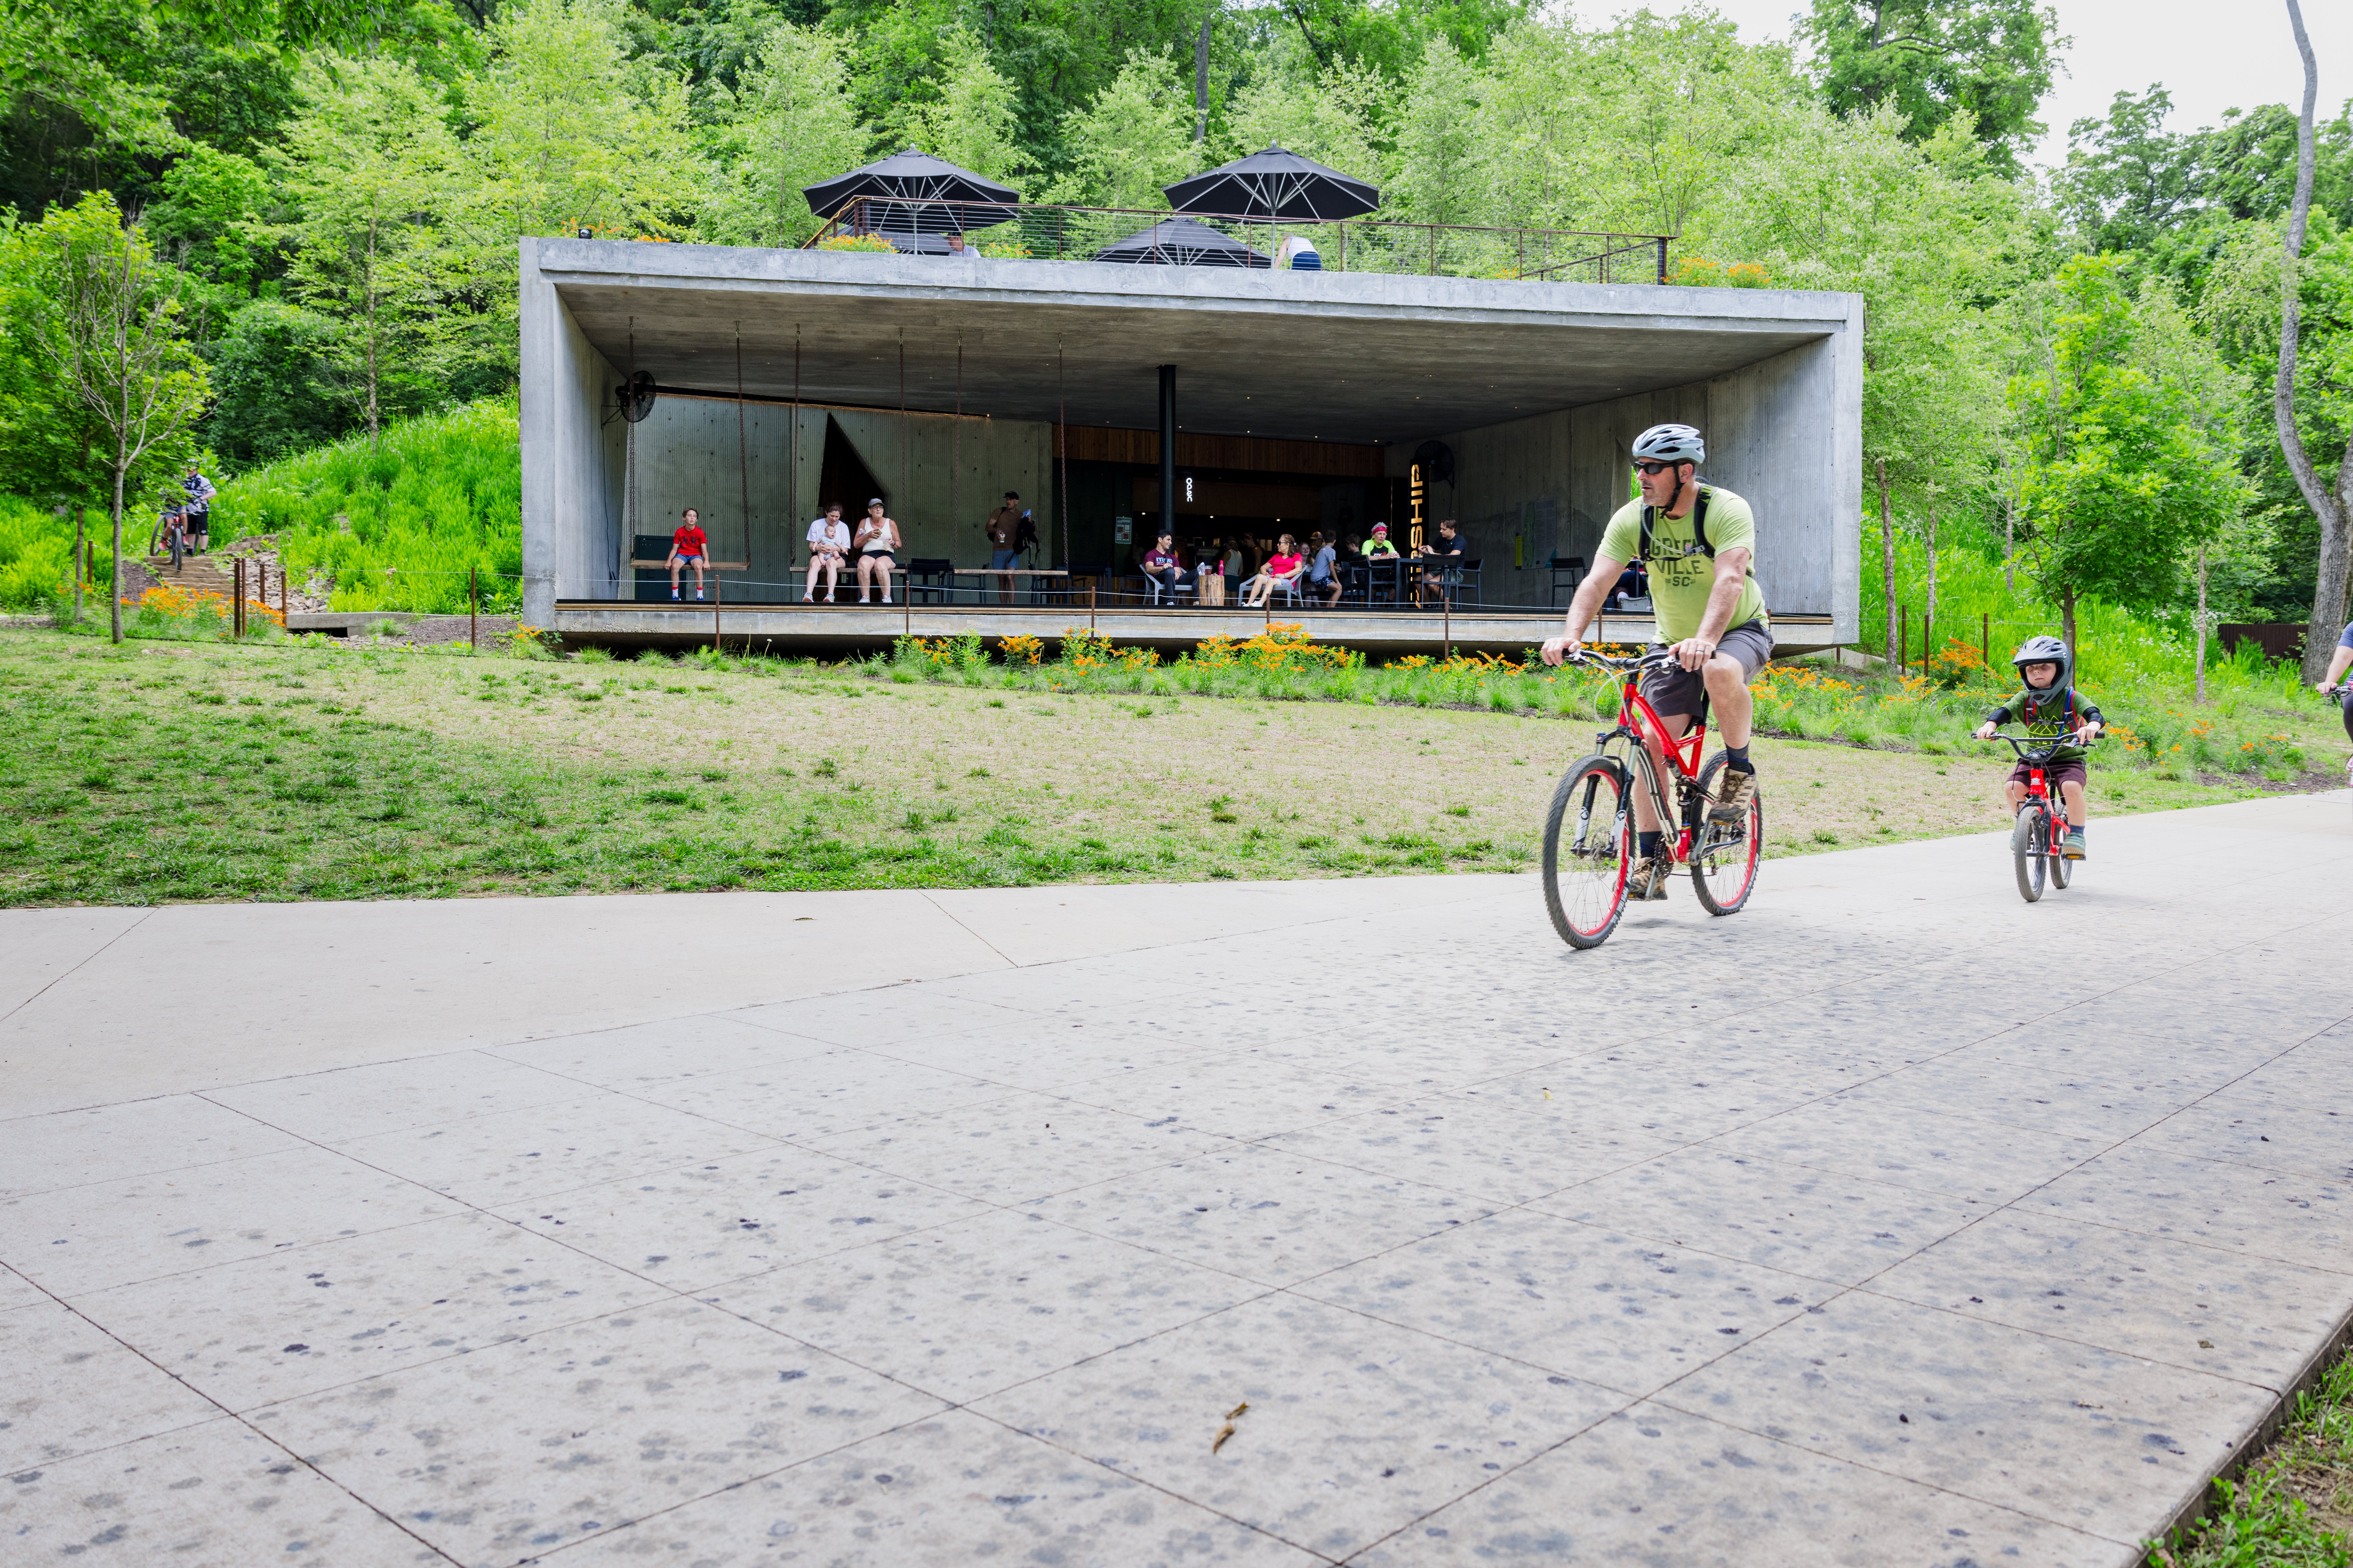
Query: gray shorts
pixel 1684 691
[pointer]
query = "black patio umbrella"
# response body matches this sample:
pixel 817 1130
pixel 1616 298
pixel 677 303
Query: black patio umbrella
pixel 933 191
pixel 1181 242
pixel 1274 183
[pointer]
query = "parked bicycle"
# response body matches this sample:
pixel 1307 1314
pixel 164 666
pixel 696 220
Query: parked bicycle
pixel 2042 821
pixel 1589 833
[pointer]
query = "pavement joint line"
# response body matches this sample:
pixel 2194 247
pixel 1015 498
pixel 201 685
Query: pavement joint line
pixel 956 921
pixel 86 957
pixel 225 1413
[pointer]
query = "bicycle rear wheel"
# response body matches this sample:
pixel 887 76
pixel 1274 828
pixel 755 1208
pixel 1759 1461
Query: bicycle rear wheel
pixel 2027 848
pixel 1724 860
pixel 2060 866
pixel 1586 835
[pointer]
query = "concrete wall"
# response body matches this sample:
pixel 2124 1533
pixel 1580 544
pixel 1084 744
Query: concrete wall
pixel 685 454
pixel 572 457
pixel 1786 433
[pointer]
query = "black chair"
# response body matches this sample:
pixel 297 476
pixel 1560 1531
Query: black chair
pixel 1469 574
pixel 1085 575
pixel 1575 568
pixel 931 580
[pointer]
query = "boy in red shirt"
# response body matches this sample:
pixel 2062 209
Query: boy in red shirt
pixel 686 546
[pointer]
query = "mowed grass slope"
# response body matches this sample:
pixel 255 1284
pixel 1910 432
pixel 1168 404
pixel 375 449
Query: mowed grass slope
pixel 193 771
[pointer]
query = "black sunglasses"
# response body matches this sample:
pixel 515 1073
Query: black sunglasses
pixel 1655 467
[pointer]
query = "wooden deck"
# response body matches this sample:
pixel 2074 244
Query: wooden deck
pixel 814 628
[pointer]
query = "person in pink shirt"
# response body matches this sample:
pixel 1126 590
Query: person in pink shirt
pixel 1282 569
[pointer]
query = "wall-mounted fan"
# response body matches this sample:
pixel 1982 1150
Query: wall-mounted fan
pixel 636 396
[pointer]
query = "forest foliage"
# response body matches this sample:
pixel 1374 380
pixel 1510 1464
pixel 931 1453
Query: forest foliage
pixel 343 185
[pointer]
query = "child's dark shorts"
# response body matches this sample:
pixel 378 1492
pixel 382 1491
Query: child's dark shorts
pixel 2054 774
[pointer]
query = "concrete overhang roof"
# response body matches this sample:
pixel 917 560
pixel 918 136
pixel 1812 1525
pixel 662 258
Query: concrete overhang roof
pixel 1328 356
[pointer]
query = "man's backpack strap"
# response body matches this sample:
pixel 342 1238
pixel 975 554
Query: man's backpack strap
pixel 1699 526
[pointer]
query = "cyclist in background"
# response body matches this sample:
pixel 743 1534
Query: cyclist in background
pixel 1697 541
pixel 2050 707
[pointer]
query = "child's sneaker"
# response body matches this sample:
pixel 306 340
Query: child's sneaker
pixel 2072 847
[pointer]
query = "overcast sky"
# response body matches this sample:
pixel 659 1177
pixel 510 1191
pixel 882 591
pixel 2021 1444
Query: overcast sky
pixel 2211 55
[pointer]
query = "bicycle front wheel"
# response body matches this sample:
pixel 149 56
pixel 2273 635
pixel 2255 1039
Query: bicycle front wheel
pixel 1586 836
pixel 1724 860
pixel 2027 848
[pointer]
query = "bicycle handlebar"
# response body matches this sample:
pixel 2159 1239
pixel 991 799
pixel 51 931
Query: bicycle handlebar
pixel 2038 753
pixel 1620 664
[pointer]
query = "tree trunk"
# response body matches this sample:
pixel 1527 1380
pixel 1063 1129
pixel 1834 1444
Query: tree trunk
pixel 2199 697
pixel 114 592
pixel 1929 618
pixel 2331 510
pixel 1201 78
pixel 1887 559
pixel 81 554
pixel 2009 541
pixel 2067 621
pixel 371 427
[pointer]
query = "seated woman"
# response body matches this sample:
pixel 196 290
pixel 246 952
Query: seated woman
pixel 1282 569
pixel 829 542
pixel 878 546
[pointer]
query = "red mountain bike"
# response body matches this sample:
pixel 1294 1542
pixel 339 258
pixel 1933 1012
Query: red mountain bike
pixel 1589 834
pixel 2034 837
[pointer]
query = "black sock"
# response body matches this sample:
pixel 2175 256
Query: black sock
pixel 1647 844
pixel 1736 759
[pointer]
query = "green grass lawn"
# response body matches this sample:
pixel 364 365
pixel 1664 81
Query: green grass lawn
pixel 2293 1508
pixel 194 770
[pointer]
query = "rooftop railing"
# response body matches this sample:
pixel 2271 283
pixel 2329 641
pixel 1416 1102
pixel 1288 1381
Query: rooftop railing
pixel 1024 232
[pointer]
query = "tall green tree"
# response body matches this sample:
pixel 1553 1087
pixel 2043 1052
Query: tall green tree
pixel 973 121
pixel 367 165
pixel 2126 462
pixel 1932 59
pixel 108 319
pixel 1135 138
pixel 793 123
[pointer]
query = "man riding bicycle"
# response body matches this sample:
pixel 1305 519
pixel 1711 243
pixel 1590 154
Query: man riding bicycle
pixel 1697 541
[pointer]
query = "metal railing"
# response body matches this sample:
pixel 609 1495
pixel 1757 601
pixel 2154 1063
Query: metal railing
pixel 1008 231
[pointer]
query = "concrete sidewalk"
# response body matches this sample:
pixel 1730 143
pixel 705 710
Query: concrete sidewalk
pixel 1892 1220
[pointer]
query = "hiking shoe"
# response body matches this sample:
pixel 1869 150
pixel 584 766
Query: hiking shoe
pixel 1646 878
pixel 2072 847
pixel 1731 808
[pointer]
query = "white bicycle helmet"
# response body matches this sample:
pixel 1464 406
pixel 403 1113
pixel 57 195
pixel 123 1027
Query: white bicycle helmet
pixel 1671 444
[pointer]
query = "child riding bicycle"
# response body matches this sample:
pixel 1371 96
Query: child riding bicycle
pixel 2050 707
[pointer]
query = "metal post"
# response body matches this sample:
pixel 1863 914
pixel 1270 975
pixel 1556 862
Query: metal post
pixel 236 597
pixel 473 607
pixel 1091 606
pixel 1902 634
pixel 1985 638
pixel 1433 250
pixel 1662 259
pixel 1445 599
pixel 1167 520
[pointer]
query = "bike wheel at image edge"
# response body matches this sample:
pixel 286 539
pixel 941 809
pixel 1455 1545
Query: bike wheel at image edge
pixel 1588 834
pixel 2027 851
pixel 1724 860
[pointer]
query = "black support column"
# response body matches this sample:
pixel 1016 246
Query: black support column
pixel 1167 523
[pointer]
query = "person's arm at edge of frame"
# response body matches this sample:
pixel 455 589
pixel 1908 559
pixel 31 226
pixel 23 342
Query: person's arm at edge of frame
pixel 1723 598
pixel 2338 662
pixel 1583 606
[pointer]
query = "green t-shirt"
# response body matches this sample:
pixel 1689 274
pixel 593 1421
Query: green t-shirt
pixel 1682 577
pixel 2048 714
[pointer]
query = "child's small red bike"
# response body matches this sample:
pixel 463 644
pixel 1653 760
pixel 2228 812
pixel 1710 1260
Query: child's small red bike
pixel 2034 837
pixel 1589 834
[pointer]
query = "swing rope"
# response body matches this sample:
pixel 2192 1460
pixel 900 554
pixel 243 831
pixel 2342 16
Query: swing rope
pixel 742 460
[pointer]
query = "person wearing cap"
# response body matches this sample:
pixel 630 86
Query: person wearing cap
pixel 1698 539
pixel 1004 528
pixel 1379 548
pixel 878 546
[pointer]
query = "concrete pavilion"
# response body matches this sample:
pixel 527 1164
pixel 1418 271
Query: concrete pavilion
pixel 1298 399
